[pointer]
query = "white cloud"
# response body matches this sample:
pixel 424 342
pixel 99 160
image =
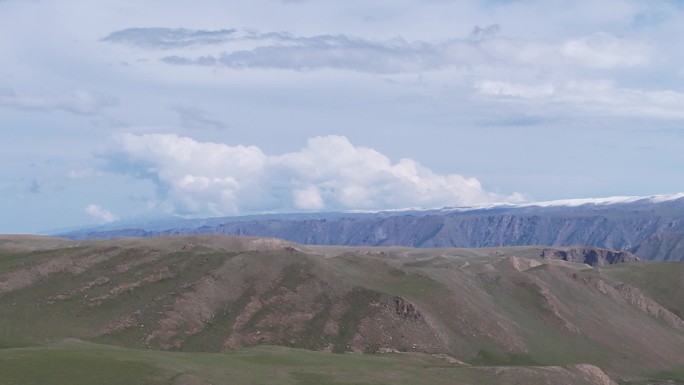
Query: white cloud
pixel 606 51
pixel 598 51
pixel 308 198
pixel 84 174
pixel 100 214
pixel 398 74
pixel 499 88
pixel 595 97
pixel 483 47
pixel 79 102
pixel 330 173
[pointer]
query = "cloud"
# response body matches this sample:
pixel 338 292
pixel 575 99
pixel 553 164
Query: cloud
pixel 83 174
pixel 35 186
pixel 100 214
pixel 478 33
pixel 196 118
pixel 284 51
pixel 597 97
pixel 168 38
pixel 598 51
pixel 78 102
pixel 330 173
pixel 603 50
pixel 482 47
pixel 308 198
pixel 500 88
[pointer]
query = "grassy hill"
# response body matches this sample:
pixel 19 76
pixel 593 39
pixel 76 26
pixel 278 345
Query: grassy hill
pixel 202 309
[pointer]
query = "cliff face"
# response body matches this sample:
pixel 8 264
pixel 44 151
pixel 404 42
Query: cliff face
pixel 622 227
pixel 664 246
pixel 590 256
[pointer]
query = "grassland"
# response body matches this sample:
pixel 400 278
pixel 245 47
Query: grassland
pixel 75 362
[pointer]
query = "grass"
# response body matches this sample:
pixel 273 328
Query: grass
pixel 75 366
pixel 85 363
pixel 349 323
pixel 662 281
pixel 671 377
pixel 27 317
pixel 486 314
pixel 80 363
pixel 485 357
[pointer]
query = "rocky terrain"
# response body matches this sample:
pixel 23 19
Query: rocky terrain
pixel 592 256
pixel 506 313
pixel 649 229
pixel 662 246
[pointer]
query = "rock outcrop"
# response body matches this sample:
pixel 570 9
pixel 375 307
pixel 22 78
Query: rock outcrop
pixel 592 256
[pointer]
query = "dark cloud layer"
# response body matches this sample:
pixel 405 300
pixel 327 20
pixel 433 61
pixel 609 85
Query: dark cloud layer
pixel 328 51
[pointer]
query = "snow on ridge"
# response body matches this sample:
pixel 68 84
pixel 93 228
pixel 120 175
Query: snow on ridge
pixel 586 201
pixel 606 201
pixel 666 197
pixel 575 202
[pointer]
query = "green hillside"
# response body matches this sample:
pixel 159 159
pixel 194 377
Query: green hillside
pixel 201 309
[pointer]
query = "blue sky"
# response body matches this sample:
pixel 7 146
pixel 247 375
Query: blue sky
pixel 114 110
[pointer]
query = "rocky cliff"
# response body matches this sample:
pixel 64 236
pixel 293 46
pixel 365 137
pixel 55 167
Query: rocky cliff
pixel 663 246
pixel 591 256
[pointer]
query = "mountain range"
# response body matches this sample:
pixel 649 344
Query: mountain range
pixel 650 227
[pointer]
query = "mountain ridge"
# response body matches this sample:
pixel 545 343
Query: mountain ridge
pixel 621 224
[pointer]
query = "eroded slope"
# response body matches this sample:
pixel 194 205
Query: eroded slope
pixel 211 294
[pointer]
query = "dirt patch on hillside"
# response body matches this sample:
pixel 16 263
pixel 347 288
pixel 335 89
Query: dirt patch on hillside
pixel 71 263
pixel 161 273
pixel 99 281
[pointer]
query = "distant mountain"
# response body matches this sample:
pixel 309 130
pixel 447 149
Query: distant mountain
pixel 662 246
pixel 621 223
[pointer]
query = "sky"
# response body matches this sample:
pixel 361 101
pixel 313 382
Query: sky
pixel 123 110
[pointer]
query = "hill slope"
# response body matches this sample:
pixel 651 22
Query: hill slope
pixel 483 307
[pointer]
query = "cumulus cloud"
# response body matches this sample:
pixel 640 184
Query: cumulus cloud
pixel 168 38
pixel 329 173
pixel 100 214
pixel 79 102
pixel 308 198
